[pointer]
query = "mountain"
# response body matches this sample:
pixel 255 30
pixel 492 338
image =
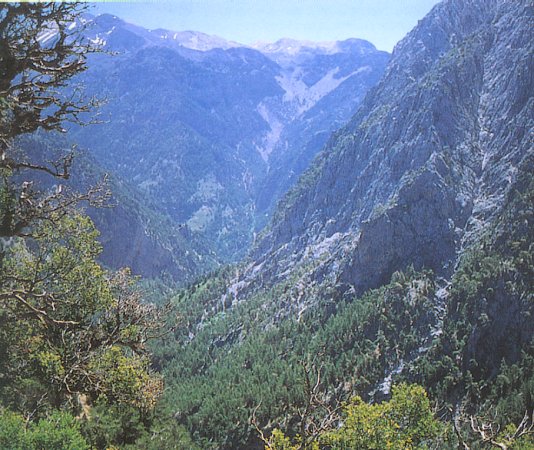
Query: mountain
pixel 327 88
pixel 426 162
pixel 404 253
pixel 134 232
pixel 192 120
pixel 111 32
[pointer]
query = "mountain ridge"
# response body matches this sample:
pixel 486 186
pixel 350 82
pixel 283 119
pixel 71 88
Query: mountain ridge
pixel 220 115
pixel 336 165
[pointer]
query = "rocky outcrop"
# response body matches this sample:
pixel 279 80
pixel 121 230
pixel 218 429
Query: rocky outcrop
pixel 425 164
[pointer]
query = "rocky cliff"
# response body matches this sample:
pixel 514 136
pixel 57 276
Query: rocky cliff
pixel 428 159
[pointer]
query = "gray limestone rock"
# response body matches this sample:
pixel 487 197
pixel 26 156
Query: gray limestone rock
pixel 426 162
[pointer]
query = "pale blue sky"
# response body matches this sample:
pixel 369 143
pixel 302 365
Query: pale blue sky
pixel 382 22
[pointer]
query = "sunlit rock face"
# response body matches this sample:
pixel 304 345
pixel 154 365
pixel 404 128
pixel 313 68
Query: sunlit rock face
pixel 426 163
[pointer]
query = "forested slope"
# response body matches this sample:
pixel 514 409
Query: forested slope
pixel 403 253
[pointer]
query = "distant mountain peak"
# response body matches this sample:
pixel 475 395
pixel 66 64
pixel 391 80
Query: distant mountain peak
pixel 195 40
pixel 106 24
pixel 106 20
pixel 289 46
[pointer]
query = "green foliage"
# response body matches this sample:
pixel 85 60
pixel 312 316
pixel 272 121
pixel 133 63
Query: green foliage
pixel 239 358
pixel 68 323
pixel 523 443
pixel 404 422
pixel 59 431
pixel 114 424
pixel 13 432
pixel 126 427
pixel 126 378
pixel 166 436
pixel 230 360
pixel 70 331
pixel 279 441
pixel 486 351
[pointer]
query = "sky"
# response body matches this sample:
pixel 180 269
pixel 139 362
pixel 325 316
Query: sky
pixel 382 22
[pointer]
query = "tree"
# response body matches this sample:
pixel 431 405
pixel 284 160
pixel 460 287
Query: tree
pixel 404 422
pixel 69 327
pixel 60 431
pixel 487 432
pixel 315 417
pixel 40 53
pixel 70 331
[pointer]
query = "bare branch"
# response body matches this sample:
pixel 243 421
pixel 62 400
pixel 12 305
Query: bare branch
pixel 32 206
pixel 39 313
pixel 254 423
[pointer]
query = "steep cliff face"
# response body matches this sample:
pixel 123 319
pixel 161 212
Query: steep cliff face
pixel 426 162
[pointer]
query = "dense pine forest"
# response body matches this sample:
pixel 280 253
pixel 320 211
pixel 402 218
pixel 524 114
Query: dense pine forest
pixel 213 246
